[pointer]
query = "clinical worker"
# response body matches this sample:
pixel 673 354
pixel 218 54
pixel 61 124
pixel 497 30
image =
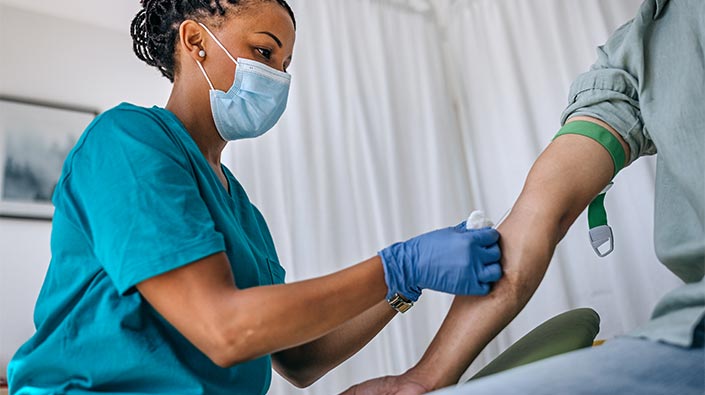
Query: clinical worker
pixel 164 278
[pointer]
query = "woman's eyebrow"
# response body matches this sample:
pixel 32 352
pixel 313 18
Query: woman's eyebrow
pixel 275 38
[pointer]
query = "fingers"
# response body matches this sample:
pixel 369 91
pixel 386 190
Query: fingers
pixel 491 254
pixel 483 289
pixel 490 273
pixel 486 236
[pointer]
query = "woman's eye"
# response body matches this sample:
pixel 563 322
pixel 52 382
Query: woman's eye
pixel 267 54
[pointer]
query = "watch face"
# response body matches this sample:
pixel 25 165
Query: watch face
pixel 400 303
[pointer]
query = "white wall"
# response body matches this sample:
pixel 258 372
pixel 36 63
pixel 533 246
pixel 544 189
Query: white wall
pixel 47 58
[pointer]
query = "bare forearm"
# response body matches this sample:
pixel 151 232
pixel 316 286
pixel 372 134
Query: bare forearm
pixel 560 185
pixel 472 322
pixel 268 319
pixel 231 325
pixel 305 364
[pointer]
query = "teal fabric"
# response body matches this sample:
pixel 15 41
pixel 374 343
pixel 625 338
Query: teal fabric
pixel 566 332
pixel 137 199
pixel 648 85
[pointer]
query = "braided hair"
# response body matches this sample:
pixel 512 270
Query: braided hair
pixel 155 28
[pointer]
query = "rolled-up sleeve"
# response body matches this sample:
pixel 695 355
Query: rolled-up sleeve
pixel 610 91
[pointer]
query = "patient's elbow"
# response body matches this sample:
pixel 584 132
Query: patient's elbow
pixel 519 283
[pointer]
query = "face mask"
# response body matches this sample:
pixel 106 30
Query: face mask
pixel 254 103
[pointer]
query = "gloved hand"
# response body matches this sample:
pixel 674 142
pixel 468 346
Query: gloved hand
pixel 453 260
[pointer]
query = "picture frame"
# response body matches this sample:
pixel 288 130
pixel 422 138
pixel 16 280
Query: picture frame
pixel 35 138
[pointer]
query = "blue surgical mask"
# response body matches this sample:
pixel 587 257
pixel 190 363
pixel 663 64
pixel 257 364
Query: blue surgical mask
pixel 254 103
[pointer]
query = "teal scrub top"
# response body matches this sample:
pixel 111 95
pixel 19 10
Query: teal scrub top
pixel 137 199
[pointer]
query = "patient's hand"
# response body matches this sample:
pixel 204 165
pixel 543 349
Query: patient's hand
pixel 389 385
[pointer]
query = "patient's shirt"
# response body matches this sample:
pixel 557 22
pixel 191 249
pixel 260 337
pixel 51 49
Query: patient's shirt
pixel 649 84
pixel 137 199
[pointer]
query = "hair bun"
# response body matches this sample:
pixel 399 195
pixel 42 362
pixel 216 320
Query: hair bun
pixel 155 28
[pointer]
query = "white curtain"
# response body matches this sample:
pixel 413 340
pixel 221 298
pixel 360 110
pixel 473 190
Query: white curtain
pixel 367 154
pixel 405 117
pixel 512 62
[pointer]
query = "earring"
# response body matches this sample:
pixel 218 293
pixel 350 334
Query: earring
pixel 202 53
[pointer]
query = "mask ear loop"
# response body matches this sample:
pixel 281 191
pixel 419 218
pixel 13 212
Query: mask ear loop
pixel 203 70
pixel 219 43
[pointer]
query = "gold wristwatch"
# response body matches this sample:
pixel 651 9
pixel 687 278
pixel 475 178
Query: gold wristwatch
pixel 400 303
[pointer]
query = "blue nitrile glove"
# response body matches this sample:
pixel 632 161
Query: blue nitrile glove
pixel 452 260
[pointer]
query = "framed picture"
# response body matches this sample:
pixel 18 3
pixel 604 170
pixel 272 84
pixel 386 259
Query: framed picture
pixel 35 138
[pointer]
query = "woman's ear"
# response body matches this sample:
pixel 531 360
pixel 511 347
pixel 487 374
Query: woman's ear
pixel 191 40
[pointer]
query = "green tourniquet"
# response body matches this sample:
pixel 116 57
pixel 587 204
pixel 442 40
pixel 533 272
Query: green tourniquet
pixel 648 87
pixel 597 215
pixel 602 136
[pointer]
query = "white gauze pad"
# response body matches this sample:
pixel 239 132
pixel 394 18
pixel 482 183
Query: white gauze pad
pixel 478 220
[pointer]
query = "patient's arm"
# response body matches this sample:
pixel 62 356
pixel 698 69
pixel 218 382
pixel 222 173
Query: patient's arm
pixel 562 182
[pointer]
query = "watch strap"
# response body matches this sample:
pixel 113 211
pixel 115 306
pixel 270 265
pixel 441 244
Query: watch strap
pixel 400 303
